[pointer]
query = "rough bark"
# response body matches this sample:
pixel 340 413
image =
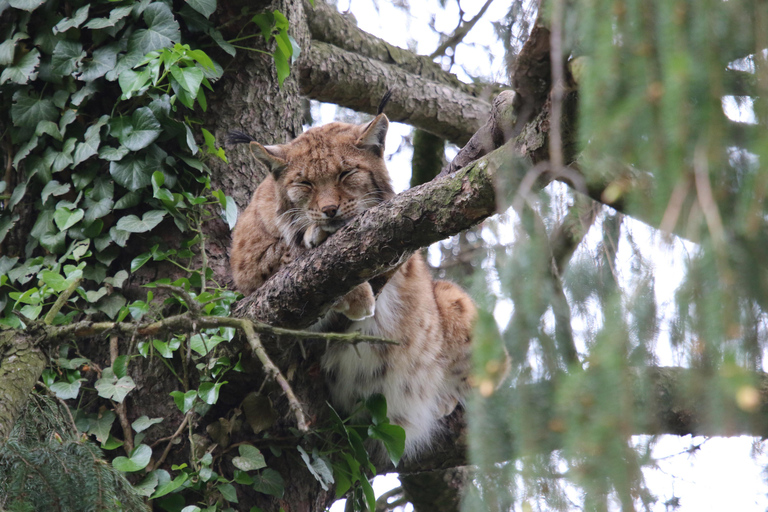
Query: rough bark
pixel 21 364
pixel 331 74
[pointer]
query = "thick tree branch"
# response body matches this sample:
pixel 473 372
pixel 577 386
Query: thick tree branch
pixel 327 25
pixel 667 400
pixel 328 73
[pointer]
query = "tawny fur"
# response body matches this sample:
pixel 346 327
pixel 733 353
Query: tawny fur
pixel 318 182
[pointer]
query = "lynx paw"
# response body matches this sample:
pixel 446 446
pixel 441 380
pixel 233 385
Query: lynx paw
pixel 358 304
pixel 314 236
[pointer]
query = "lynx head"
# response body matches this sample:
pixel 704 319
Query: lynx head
pixel 326 176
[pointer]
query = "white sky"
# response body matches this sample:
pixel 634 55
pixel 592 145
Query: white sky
pixel 723 474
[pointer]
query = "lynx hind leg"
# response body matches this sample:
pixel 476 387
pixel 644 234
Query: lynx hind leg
pixel 358 304
pixel 457 315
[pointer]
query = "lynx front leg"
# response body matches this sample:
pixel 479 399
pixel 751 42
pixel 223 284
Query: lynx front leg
pixel 358 304
pixel 314 236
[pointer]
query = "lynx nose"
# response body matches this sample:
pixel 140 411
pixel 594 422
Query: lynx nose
pixel 330 211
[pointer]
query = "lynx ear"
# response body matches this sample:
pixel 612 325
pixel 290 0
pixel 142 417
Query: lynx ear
pixel 374 135
pixel 271 156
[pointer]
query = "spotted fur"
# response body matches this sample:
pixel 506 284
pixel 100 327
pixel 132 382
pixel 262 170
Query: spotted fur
pixel 318 182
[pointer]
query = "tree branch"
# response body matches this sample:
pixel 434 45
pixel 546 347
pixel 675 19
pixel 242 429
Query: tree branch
pixel 328 73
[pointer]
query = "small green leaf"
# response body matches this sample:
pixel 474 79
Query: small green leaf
pixel 142 131
pixel 377 406
pixel 101 427
pixel 112 388
pixel 66 57
pixel 139 459
pixel 66 390
pixel 269 482
pixel 319 468
pixel 75 21
pixel 393 437
pixel 54 188
pixel 132 224
pixel 370 497
pixel 281 65
pixel 100 62
pixel 250 458
pixel 162 30
pixel 54 280
pixel 184 401
pixel 27 111
pixel 139 261
pixel 147 486
pixel 228 492
pixel 65 218
pixel 189 78
pixel 111 304
pixel 170 486
pixel 204 7
pixel 26 5
pixel 143 423
pixel 24 70
pixel 209 392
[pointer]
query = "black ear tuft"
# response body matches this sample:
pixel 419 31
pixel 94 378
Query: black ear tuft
pixel 238 137
pixel 384 100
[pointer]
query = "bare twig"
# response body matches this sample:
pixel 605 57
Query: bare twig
pixel 170 441
pixel 461 31
pixel 274 371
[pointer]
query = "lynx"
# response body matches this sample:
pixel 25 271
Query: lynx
pixel 317 183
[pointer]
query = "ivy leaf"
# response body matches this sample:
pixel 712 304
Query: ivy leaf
pixel 377 406
pixel 50 128
pixel 132 224
pixel 184 401
pixel 111 304
pixel 66 57
pixel 370 497
pixel 54 280
pixel 168 487
pixel 26 5
pixel 204 7
pixel 8 48
pixel 89 147
pixel 319 468
pixel 189 78
pixel 66 218
pixel 115 15
pixel 100 428
pixel 281 65
pixel 139 459
pixel 144 422
pixel 142 131
pixel 393 437
pixel 24 70
pixel 269 482
pixel 209 392
pixel 132 172
pixel 113 154
pixel 147 486
pixel 162 30
pixel 54 188
pixel 112 388
pixel 101 61
pixel 97 209
pixel 250 458
pixel 75 21
pixel 27 111
pixel 66 390
pixel 227 491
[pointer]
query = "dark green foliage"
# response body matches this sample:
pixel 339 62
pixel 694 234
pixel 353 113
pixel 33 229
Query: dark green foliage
pixel 46 465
